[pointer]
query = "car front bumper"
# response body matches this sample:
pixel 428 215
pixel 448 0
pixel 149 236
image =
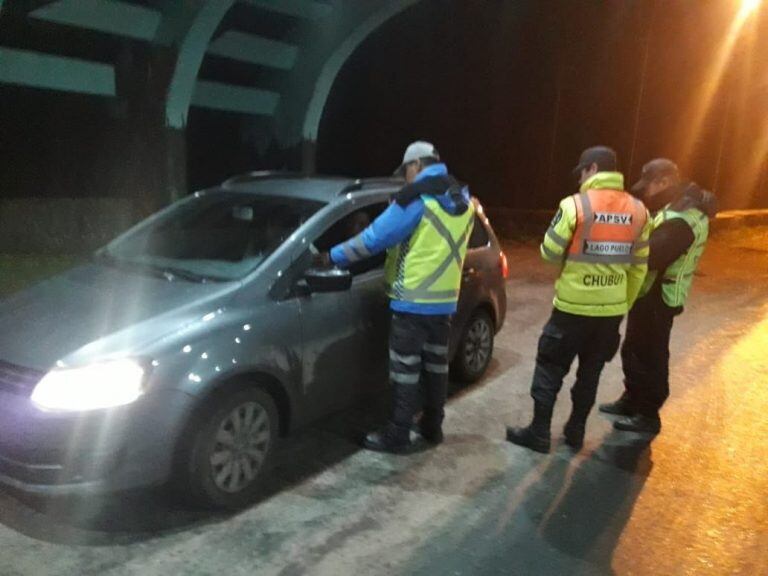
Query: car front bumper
pixel 92 452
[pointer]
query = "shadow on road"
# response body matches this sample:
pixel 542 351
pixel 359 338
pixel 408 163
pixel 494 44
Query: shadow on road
pixel 586 516
pixel 562 514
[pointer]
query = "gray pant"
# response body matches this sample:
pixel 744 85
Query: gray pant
pixel 418 368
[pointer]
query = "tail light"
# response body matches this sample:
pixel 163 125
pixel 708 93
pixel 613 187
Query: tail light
pixel 504 265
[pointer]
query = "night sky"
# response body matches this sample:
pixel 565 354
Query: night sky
pixel 509 91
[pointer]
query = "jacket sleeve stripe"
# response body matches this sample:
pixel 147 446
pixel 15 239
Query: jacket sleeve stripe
pixel 359 247
pixel 550 255
pixel 556 238
pixel 350 253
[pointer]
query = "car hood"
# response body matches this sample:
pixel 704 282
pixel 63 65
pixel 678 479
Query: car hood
pixel 95 311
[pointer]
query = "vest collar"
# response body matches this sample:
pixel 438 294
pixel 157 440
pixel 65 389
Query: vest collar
pixel 604 181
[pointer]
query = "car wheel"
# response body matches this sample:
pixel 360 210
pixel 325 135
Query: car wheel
pixel 475 348
pixel 230 449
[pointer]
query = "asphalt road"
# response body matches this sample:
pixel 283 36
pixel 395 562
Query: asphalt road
pixel 694 501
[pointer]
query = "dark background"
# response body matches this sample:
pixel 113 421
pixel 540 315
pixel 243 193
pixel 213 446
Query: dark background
pixel 509 91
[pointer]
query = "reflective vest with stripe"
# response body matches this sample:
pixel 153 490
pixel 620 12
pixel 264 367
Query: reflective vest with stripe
pixel 678 277
pixel 608 222
pixel 605 241
pixel 427 268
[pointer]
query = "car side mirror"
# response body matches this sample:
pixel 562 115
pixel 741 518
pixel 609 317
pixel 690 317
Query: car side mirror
pixel 328 280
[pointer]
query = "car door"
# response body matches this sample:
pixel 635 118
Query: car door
pixel 331 328
pixel 344 334
pixel 369 290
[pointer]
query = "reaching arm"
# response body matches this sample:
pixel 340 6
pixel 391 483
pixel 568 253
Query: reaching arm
pixel 393 226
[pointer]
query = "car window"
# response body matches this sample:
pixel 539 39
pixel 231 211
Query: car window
pixel 220 235
pixel 479 237
pixel 350 226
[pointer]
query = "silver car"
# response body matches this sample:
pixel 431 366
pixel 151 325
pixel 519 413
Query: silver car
pixel 186 348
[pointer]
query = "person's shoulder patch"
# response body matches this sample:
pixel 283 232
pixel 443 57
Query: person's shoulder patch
pixel 557 218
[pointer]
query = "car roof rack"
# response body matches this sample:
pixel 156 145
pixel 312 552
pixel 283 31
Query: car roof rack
pixel 257 175
pixel 362 183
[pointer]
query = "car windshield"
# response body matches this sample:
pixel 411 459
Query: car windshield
pixel 218 236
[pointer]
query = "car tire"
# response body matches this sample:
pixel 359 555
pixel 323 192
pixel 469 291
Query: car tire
pixel 230 448
pixel 475 348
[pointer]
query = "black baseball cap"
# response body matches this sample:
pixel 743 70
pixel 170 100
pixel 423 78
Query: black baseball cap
pixel 604 157
pixel 654 169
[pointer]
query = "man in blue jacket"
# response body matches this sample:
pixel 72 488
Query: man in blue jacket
pixel 425 231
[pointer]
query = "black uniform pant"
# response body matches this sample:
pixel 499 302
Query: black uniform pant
pixel 645 353
pixel 594 340
pixel 418 367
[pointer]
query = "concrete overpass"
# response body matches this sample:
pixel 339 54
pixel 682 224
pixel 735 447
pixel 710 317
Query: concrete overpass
pixel 274 60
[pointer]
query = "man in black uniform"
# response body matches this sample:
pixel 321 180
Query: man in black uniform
pixel 681 222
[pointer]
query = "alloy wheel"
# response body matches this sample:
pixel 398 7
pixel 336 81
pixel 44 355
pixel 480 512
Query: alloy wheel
pixel 241 446
pixel 478 345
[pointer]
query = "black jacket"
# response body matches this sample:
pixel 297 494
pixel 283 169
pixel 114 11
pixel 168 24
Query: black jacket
pixel 674 237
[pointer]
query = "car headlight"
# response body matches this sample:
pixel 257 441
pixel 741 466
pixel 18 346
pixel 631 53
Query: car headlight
pixel 92 387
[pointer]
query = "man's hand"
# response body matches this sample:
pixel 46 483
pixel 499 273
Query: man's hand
pixel 322 260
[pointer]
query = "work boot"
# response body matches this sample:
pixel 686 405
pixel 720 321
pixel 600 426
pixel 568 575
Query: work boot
pixel 621 407
pixel 391 439
pixel 639 423
pixel 527 438
pixel 574 434
pixel 576 426
pixel 536 436
pixel 431 433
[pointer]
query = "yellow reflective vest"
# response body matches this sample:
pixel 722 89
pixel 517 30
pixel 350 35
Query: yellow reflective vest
pixel 678 277
pixel 427 268
pixel 599 237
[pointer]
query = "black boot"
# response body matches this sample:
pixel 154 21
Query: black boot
pixel 395 437
pixel 639 423
pixel 392 439
pixel 526 437
pixel 576 426
pixel 574 434
pixel 430 427
pixel 621 407
pixel 537 435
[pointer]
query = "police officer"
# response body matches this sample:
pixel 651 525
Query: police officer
pixel 599 238
pixel 680 230
pixel 426 231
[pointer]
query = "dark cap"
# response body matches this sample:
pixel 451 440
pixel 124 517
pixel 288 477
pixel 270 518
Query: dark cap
pixel 657 168
pixel 604 157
